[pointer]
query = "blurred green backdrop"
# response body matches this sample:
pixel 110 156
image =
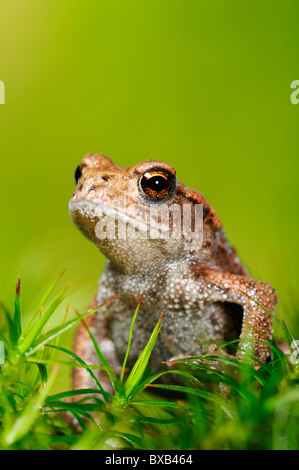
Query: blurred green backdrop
pixel 203 85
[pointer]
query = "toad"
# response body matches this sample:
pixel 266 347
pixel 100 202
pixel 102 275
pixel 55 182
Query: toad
pixel 164 240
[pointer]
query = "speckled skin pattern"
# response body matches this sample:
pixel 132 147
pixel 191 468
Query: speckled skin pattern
pixel 205 295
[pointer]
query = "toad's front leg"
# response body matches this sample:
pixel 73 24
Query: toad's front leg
pixel 257 322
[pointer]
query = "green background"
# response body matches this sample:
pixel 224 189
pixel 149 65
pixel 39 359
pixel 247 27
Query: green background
pixel 203 85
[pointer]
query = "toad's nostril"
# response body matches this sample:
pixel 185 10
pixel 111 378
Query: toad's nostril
pixel 92 188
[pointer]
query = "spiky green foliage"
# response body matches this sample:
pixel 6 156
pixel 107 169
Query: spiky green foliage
pixel 213 402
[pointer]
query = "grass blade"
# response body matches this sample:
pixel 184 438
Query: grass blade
pixel 42 302
pixel 27 341
pixel 10 324
pixel 43 372
pixel 159 403
pixel 106 395
pixel 72 393
pixel 101 356
pixel 17 321
pixel 212 397
pixel 130 339
pixel 140 365
pixel 61 328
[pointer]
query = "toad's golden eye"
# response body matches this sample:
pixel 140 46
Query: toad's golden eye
pixel 157 185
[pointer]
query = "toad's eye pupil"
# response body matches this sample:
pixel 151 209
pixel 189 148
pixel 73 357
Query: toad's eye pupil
pixel 157 185
pixel 78 174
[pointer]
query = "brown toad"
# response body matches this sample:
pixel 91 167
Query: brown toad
pixel 198 283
